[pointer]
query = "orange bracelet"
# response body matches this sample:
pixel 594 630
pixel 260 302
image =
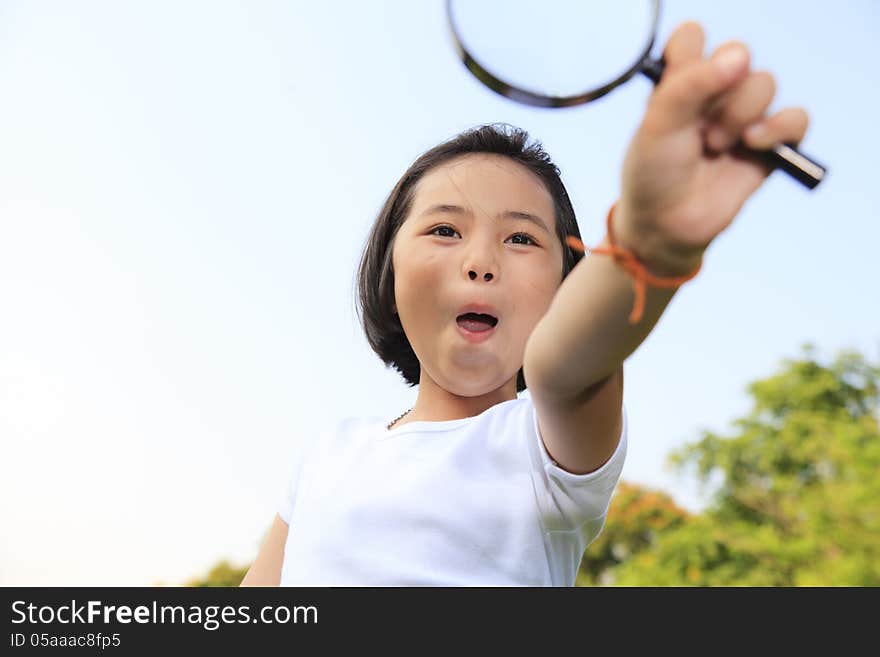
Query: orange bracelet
pixel 628 260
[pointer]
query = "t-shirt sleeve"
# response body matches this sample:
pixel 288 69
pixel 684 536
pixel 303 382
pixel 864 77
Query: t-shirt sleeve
pixel 569 501
pixel 294 475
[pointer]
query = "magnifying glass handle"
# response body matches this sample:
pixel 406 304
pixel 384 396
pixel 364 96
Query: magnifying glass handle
pixel 786 157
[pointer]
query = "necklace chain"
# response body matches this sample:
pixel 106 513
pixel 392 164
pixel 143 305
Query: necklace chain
pixel 390 424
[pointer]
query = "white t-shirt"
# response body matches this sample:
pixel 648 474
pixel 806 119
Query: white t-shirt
pixel 470 502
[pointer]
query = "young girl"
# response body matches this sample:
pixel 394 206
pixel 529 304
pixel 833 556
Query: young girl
pixel 472 286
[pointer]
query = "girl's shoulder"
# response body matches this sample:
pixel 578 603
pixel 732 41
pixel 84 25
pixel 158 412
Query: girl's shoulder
pixel 349 427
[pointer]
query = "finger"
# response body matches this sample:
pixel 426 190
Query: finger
pixel 745 104
pixel 786 126
pixel 683 95
pixel 684 46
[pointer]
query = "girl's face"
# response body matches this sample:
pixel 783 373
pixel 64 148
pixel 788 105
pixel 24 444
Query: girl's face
pixel 481 230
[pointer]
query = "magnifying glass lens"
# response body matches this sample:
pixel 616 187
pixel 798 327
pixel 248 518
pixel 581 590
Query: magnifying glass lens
pixel 554 47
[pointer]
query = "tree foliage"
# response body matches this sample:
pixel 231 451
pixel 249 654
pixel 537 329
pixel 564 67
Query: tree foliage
pixel 221 574
pixel 636 518
pixel 796 496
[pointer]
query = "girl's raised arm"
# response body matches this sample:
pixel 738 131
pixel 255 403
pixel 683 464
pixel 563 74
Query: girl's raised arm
pixel 683 182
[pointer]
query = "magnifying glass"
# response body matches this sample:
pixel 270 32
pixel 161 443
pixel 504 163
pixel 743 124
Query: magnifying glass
pixel 562 53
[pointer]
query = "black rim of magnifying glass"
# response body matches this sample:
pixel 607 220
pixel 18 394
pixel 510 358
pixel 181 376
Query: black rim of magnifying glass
pixel 643 64
pixel 785 157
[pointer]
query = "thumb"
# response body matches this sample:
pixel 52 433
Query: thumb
pixel 686 92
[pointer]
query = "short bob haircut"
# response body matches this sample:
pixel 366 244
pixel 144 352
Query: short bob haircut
pixel 375 276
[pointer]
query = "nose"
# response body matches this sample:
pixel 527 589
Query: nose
pixel 480 263
pixel 480 260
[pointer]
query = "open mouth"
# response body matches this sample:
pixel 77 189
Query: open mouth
pixel 476 322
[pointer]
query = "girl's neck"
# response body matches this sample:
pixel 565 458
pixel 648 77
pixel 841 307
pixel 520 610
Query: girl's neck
pixel 435 404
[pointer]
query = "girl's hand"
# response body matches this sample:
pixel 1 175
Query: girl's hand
pixel 681 183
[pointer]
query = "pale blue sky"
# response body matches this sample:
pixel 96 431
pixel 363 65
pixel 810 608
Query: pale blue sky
pixel 185 188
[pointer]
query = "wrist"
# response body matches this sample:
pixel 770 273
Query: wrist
pixel 659 255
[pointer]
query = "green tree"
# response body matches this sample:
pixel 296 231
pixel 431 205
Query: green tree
pixel 221 574
pixel 796 496
pixel 636 518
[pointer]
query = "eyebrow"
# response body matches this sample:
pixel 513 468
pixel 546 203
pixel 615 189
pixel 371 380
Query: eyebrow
pixel 442 208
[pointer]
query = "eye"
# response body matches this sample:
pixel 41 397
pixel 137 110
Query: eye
pixel 524 236
pixel 450 228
